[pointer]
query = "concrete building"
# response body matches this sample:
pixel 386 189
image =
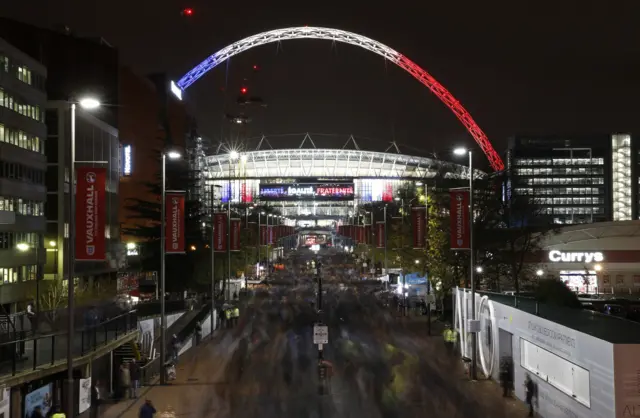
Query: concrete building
pixel 95 142
pixel 22 177
pixel 578 179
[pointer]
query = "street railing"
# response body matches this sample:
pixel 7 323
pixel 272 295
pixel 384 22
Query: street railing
pixel 31 352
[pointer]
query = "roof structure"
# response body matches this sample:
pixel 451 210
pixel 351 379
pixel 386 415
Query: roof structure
pixel 309 160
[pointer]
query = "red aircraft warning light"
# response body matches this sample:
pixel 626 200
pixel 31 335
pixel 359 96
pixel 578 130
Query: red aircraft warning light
pixel 244 90
pixel 187 12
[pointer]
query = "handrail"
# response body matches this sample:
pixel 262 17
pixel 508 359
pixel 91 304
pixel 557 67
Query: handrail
pixel 59 333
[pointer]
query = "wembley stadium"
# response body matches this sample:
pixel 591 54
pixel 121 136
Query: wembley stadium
pixel 316 187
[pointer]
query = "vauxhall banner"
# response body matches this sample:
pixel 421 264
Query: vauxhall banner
pixel 380 238
pixel 220 232
pixel 90 214
pixel 459 213
pixel 270 237
pixel 174 240
pixel 234 238
pixel 418 220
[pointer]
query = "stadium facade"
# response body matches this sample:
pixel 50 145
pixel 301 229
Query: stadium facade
pixel 322 184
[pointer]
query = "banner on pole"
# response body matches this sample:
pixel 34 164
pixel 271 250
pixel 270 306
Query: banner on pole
pixel 236 226
pixel 459 213
pixel 90 214
pixel 367 234
pixel 270 237
pixel 220 232
pixel 263 235
pixel 380 238
pixel 418 219
pixel 174 240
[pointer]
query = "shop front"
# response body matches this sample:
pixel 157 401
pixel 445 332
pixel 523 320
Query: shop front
pixel 581 363
pixel 595 258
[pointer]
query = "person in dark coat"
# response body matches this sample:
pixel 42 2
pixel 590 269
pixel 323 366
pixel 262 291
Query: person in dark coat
pixel 530 390
pixel 147 410
pixel 134 372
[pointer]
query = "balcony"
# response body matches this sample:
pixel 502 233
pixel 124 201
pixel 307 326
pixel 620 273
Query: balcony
pixel 25 358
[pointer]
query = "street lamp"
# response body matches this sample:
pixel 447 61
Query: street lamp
pixel 22 247
pixel 474 335
pixel 539 272
pixel 479 269
pixel 87 103
pixel 173 155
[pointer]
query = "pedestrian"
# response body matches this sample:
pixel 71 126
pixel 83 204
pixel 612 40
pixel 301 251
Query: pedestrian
pixel 134 372
pixel 125 380
pixel 236 315
pixel 147 410
pixel 447 336
pixel 529 388
pixel 198 332
pixel 56 412
pixel 37 412
pixel 175 348
pixel 96 400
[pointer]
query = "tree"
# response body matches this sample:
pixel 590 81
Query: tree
pixel 506 231
pixel 146 215
pixel 554 292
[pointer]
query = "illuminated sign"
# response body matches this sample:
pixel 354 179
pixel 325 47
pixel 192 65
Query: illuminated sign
pixel 307 191
pixel 575 256
pixel 177 91
pixel 127 160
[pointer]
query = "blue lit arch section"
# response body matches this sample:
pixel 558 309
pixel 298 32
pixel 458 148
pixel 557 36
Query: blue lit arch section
pixel 337 35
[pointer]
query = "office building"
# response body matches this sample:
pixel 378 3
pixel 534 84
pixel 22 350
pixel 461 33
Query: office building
pixel 97 144
pixel 22 170
pixel 578 179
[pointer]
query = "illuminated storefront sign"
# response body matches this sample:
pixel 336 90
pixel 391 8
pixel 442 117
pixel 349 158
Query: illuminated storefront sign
pixel 557 256
pixel 307 191
pixel 127 162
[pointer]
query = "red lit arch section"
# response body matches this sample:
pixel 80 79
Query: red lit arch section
pixel 376 47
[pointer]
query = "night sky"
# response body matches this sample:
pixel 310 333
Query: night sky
pixel 519 67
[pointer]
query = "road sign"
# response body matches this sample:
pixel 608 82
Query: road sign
pixel 320 334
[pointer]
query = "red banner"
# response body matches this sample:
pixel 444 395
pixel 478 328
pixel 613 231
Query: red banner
pixel 367 234
pixel 174 240
pixel 263 235
pixel 419 222
pixel 459 214
pixel 380 238
pixel 234 238
pixel 220 232
pixel 90 214
pixel 270 236
pixel 360 237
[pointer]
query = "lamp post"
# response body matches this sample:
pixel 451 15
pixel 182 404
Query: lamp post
pixel 233 156
pixel 173 155
pixel 88 103
pixel 474 335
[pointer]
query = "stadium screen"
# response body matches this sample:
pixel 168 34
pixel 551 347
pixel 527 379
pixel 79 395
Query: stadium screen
pixel 307 191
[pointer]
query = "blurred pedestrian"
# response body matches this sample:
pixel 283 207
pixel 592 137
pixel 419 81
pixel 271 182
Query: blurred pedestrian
pixel 529 388
pixel 134 371
pixel 147 410
pixel 125 380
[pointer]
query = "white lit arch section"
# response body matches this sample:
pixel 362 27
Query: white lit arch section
pixel 337 35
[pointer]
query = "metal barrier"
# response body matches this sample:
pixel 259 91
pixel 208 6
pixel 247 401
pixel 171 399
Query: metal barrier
pixel 30 353
pixel 149 371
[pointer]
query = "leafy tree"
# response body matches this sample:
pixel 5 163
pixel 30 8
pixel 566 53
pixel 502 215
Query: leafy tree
pixel 146 214
pixel 506 231
pixel 554 292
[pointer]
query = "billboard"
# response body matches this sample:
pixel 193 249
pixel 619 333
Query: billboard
pixel 90 214
pixel 220 232
pixel 126 160
pixel 459 217
pixel 307 191
pixel 234 238
pixel 419 222
pixel 174 221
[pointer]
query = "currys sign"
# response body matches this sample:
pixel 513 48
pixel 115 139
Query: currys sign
pixel 90 214
pixel 557 256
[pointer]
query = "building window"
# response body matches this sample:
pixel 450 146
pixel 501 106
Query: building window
pixel 22 206
pixel 4 63
pixel 8 275
pixel 9 240
pixel 20 139
pixel 18 106
pixel 21 172
pixel 24 75
pixel 565 376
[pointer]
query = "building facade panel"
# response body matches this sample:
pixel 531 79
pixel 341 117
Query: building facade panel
pixel 22 170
